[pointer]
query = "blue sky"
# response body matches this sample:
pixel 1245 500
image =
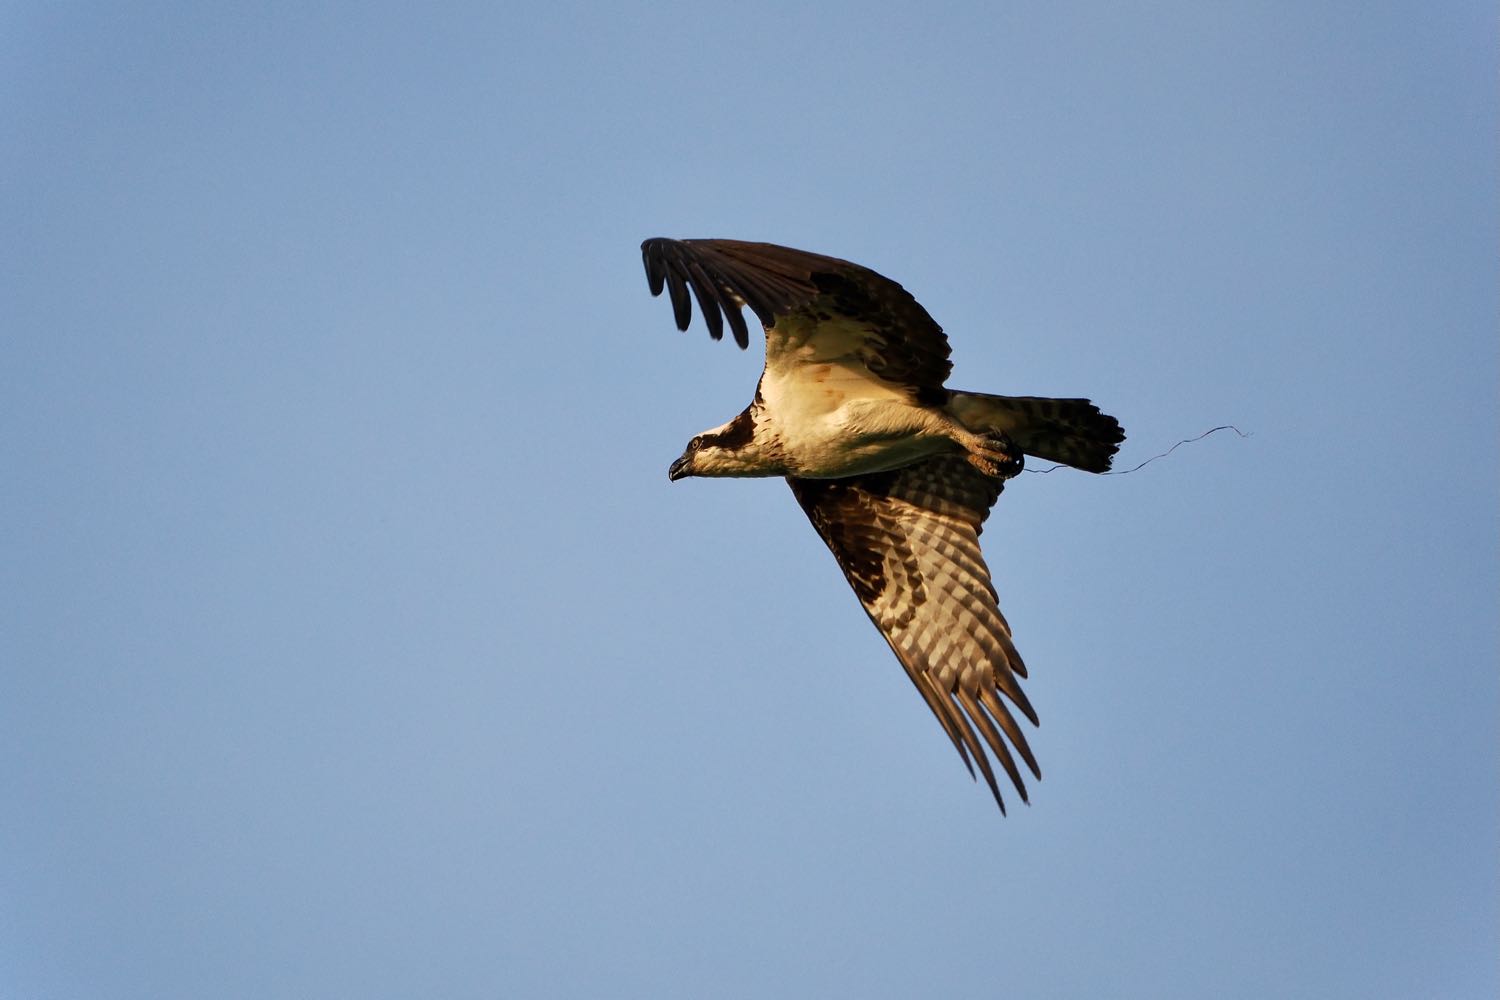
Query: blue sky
pixel 353 643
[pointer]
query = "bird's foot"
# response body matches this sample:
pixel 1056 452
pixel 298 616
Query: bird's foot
pixel 996 456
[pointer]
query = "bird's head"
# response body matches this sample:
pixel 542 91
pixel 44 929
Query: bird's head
pixel 684 465
pixel 704 456
pixel 730 450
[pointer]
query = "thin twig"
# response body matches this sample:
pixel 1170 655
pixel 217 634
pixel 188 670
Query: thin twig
pixel 1179 444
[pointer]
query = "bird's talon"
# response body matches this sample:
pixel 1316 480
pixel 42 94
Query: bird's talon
pixel 998 462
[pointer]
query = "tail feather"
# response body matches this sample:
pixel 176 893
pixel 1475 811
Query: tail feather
pixel 1070 431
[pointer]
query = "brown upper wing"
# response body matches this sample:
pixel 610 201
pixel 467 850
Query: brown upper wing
pixel 908 542
pixel 906 344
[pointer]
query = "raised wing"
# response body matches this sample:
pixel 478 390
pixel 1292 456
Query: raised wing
pixel 908 542
pixel 805 294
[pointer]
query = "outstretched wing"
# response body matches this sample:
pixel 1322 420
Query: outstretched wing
pixel 908 542
pixel 815 309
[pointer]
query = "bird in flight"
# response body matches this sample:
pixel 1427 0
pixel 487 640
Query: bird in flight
pixel 896 472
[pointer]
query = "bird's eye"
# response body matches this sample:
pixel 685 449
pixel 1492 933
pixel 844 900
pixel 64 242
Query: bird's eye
pixel 695 444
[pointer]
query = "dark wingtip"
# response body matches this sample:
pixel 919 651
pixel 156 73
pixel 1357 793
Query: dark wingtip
pixel 682 306
pixel 726 276
pixel 741 331
pixel 1000 801
pixel 655 275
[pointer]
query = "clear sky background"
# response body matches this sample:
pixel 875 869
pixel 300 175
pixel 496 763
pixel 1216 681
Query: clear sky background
pixel 353 643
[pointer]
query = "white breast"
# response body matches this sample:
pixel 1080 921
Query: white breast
pixel 833 418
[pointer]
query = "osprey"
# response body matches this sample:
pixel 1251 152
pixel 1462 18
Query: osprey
pixel 896 472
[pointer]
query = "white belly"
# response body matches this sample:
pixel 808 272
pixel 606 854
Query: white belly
pixel 833 422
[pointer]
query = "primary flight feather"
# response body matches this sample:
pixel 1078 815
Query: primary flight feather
pixel 896 472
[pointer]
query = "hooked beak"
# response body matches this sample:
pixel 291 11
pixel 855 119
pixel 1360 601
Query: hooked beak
pixel 678 470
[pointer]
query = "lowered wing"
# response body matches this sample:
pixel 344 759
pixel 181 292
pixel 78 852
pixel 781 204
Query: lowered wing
pixel 908 542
